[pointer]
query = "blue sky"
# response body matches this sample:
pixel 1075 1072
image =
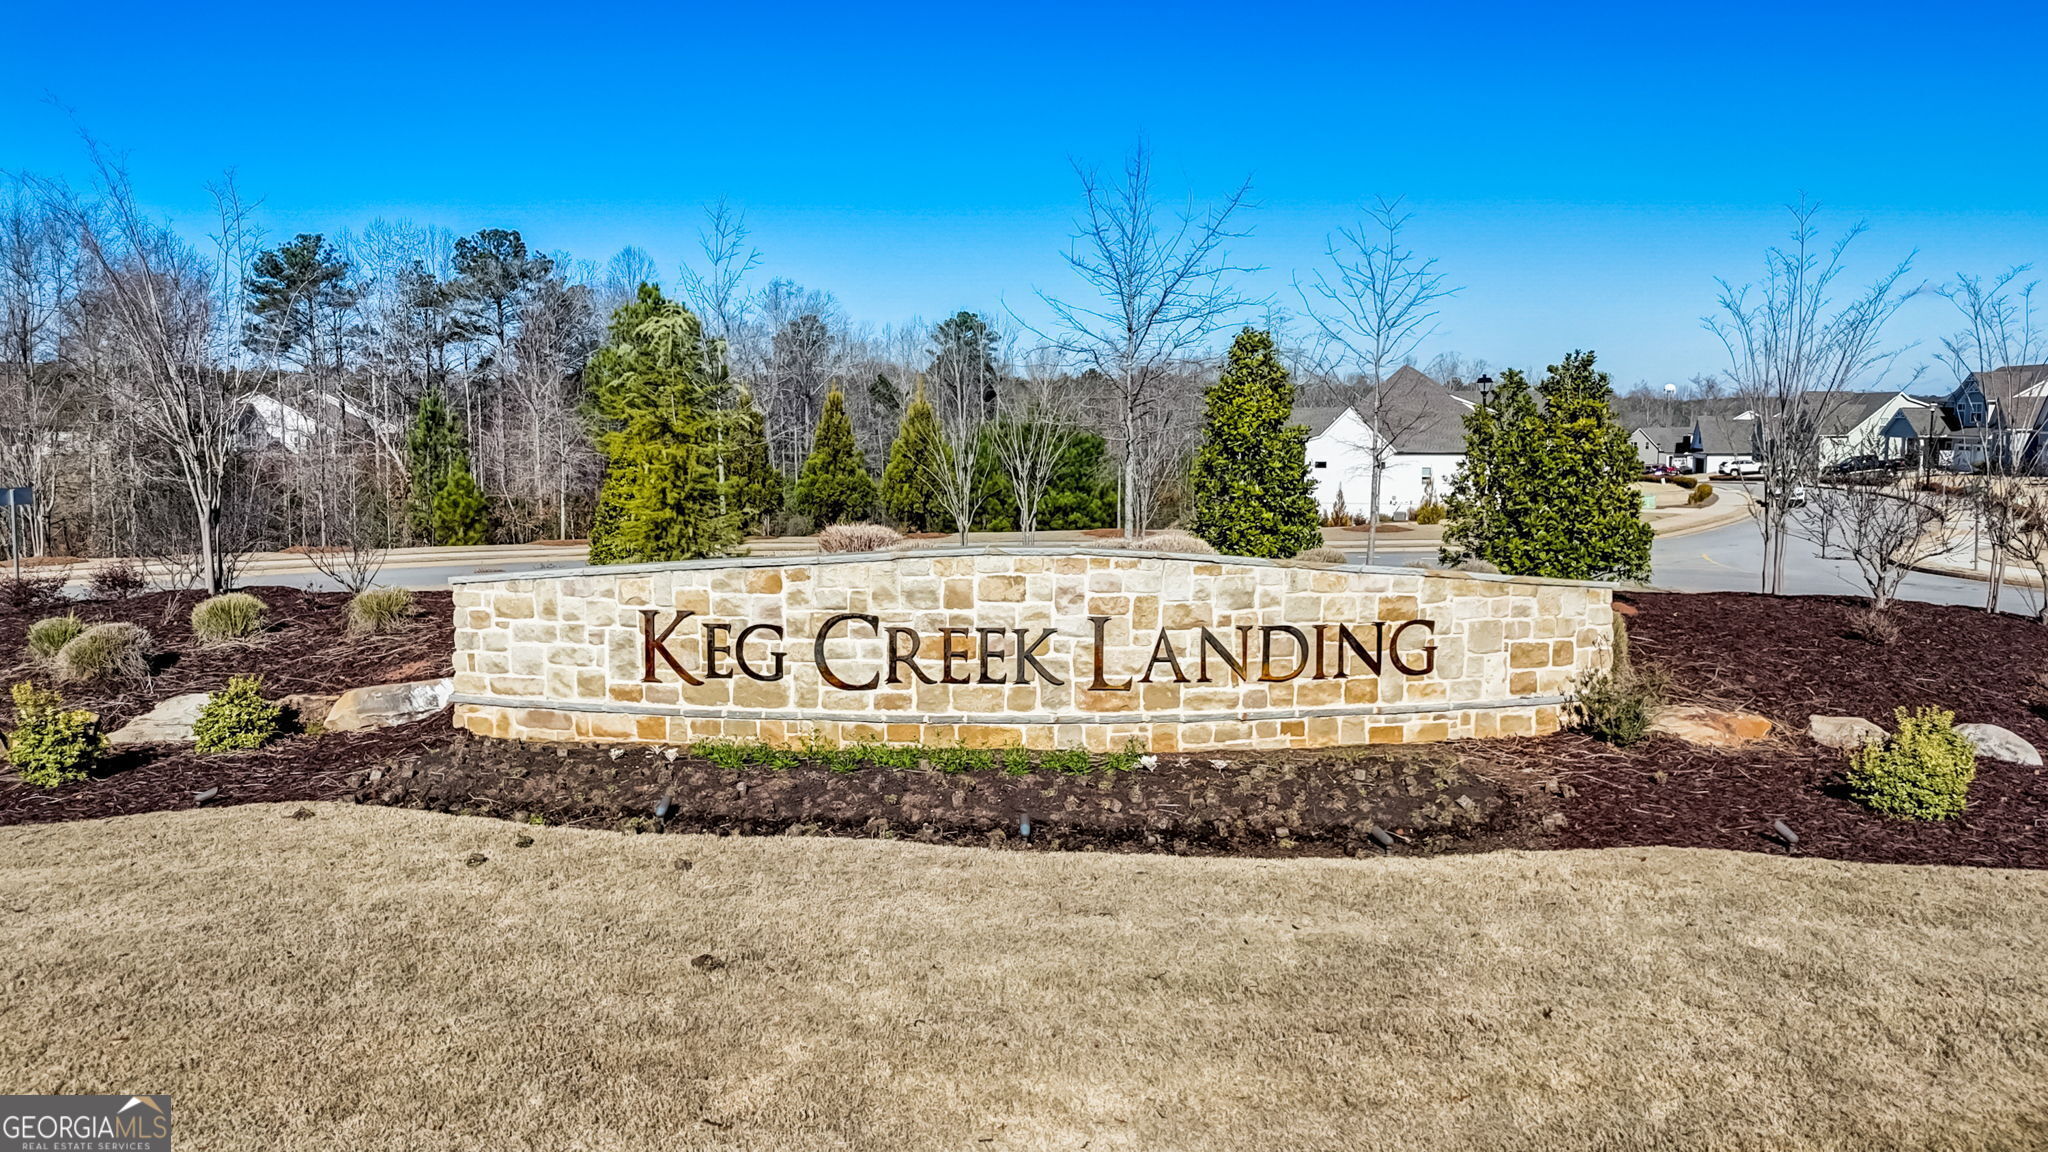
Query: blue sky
pixel 1584 174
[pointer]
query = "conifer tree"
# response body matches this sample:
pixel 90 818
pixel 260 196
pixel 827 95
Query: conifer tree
pixel 652 386
pixel 1250 488
pixel 461 512
pixel 909 496
pixel 834 486
pixel 1550 491
pixel 753 488
pixel 444 505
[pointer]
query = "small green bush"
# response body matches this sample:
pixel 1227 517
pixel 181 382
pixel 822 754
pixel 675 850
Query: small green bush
pixel 1701 494
pixel 51 745
pixel 1431 512
pixel 48 636
pixel 1615 707
pixel 237 717
pixel 104 652
pixel 1922 773
pixel 376 611
pixel 1068 762
pixel 962 759
pixel 228 616
pixel 1618 705
pixel 1322 556
pixel 734 756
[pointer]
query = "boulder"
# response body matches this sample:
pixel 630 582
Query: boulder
pixel 1995 743
pixel 310 709
pixel 1844 731
pixel 1710 727
pixel 388 705
pixel 168 723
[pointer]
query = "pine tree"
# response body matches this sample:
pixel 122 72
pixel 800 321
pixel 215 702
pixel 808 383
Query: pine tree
pixel 1250 488
pixel 909 496
pixel 834 486
pixel 652 386
pixel 444 505
pixel 753 488
pixel 461 513
pixel 1549 492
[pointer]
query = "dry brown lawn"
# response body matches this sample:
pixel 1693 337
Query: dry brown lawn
pixel 348 981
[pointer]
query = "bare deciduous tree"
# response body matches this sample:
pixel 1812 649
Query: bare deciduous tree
pixel 1794 352
pixel 1376 303
pixel 1161 286
pixel 1032 431
pixel 177 322
pixel 1884 531
pixel 1999 330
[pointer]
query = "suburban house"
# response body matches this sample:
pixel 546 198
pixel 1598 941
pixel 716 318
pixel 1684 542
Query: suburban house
pixel 1724 431
pixel 1658 443
pixel 1998 416
pixel 1422 438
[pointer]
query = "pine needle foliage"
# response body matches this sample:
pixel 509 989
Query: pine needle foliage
pixel 654 385
pixel 835 486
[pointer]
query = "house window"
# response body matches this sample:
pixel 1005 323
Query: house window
pixel 1426 476
pixel 1322 463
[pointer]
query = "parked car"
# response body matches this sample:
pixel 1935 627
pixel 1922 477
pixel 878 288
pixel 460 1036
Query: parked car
pixel 1658 471
pixel 1865 462
pixel 1743 467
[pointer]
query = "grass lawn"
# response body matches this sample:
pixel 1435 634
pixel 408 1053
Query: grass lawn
pixel 348 980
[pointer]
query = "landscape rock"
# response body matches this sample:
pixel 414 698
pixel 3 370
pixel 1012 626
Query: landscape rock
pixel 1995 743
pixel 168 723
pixel 1710 727
pixel 388 705
pixel 310 708
pixel 1844 731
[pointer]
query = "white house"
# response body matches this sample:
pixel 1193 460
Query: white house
pixel 1425 447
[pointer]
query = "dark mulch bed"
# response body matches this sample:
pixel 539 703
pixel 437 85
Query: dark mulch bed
pixel 1785 658
pixel 1274 804
pixel 307 648
pixel 163 779
pixel 1788 659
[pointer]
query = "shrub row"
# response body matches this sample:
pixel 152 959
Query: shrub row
pixel 736 756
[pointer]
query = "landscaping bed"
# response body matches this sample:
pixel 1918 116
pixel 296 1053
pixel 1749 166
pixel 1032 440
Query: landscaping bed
pixel 306 647
pixel 1785 658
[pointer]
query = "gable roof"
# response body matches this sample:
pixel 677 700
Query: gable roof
pixel 1724 435
pixel 2014 381
pixel 1664 437
pixel 1316 418
pixel 1843 412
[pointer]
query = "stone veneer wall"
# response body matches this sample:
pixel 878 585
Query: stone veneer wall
pixel 560 655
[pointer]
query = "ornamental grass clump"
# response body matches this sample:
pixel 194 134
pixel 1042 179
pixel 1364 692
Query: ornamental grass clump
pixel 376 611
pixel 228 616
pixel 858 538
pixel 1922 773
pixel 1321 556
pixel 51 745
pixel 102 653
pixel 48 636
pixel 237 718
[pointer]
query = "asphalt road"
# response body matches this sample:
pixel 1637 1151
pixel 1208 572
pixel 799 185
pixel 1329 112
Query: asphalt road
pixel 1727 559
